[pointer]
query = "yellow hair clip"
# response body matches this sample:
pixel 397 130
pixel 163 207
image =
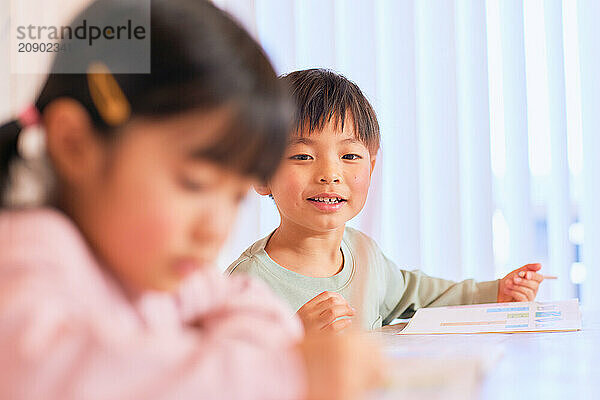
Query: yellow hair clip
pixel 109 99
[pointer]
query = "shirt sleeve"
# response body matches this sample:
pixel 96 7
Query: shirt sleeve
pixel 228 350
pixel 407 291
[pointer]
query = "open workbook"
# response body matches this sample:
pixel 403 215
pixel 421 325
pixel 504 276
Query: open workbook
pixel 497 318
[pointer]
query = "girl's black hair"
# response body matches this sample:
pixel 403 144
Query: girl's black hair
pixel 200 59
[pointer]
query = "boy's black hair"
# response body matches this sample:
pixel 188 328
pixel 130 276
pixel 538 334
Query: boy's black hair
pixel 321 95
pixel 200 60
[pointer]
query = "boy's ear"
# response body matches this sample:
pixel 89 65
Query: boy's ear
pixel 262 189
pixel 373 159
pixel 71 142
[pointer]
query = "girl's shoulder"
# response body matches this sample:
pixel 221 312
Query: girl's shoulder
pixel 42 216
pixel 43 255
pixel 40 236
pixel 36 225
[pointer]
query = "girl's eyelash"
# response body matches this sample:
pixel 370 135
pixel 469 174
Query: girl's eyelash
pixel 192 185
pixel 240 197
pixel 300 157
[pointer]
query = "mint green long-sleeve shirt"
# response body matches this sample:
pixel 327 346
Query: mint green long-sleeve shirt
pixel 390 292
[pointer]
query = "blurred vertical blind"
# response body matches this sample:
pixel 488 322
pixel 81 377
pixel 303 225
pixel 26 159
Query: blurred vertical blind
pixel 490 120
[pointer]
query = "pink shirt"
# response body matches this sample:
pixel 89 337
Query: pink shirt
pixel 67 330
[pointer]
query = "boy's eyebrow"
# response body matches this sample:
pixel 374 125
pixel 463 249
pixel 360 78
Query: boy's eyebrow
pixel 350 140
pixel 299 139
pixel 304 140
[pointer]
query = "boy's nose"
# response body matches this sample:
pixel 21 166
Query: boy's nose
pixel 330 178
pixel 328 170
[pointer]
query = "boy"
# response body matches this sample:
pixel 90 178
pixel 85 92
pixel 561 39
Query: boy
pixel 312 259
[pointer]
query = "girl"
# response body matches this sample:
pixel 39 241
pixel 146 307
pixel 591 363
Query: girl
pixel 107 291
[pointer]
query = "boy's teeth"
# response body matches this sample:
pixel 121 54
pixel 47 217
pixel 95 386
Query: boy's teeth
pixel 327 200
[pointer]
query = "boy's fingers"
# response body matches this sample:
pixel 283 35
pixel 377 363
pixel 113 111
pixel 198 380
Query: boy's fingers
pixel 321 297
pixel 530 283
pixel 315 306
pixel 530 275
pixel 530 293
pixel 339 325
pixel 310 307
pixel 530 267
pixel 537 277
pixel 323 301
pixel 517 295
pixel 332 313
pixel 527 292
pixel 330 299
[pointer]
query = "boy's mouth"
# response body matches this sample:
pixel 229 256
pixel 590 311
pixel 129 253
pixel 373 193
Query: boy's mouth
pixel 327 200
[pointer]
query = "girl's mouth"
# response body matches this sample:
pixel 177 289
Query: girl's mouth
pixel 186 266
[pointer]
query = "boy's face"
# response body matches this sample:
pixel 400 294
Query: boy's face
pixel 323 179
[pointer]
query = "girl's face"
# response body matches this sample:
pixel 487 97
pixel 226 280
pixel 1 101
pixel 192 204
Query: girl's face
pixel 152 210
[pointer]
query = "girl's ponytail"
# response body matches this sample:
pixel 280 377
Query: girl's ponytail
pixel 9 145
pixel 9 139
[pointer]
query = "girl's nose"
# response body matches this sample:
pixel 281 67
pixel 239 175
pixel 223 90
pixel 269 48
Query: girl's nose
pixel 211 229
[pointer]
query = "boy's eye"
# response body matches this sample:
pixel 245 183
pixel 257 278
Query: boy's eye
pixel 351 157
pixel 301 157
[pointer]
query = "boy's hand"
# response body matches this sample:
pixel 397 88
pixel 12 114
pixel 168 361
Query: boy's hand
pixel 341 366
pixel 322 311
pixel 520 285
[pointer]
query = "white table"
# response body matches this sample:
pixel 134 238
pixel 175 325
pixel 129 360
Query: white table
pixel 529 366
